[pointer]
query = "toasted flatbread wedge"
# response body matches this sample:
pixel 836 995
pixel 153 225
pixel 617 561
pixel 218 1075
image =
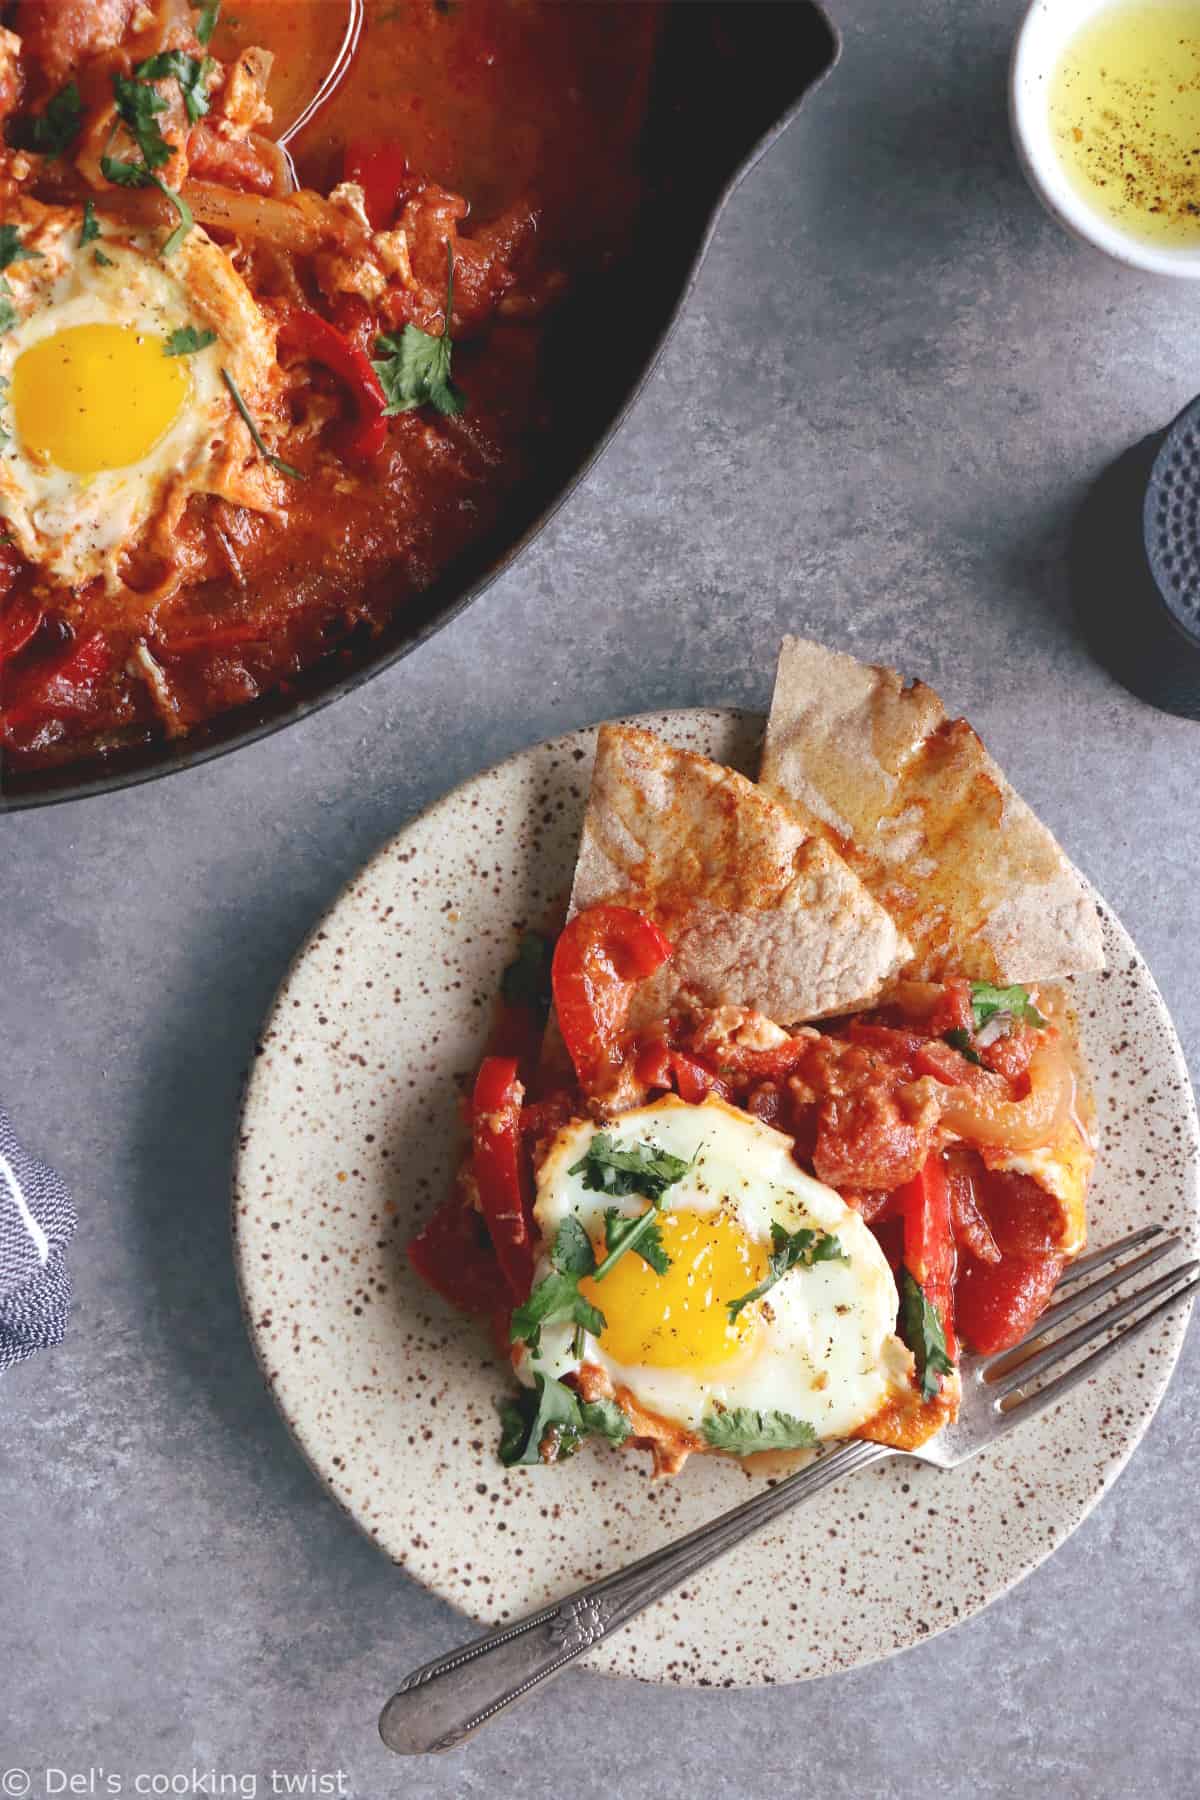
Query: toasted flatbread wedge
pixel 920 811
pixel 761 911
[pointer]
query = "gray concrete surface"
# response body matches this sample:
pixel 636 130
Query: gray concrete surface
pixel 894 381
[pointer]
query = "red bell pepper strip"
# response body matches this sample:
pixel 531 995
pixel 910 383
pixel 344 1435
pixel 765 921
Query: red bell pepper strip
pixel 501 1171
pixel 381 171
pixel 58 687
pixel 998 1303
pixel 658 1066
pixel 315 338
pixel 17 626
pixel 599 960
pixel 694 1080
pixel 924 1204
pixel 452 1256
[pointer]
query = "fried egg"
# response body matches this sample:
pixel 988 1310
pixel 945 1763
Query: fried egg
pixel 820 1345
pixel 103 433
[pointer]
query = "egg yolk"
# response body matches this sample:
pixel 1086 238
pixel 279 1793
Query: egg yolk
pixel 96 396
pixel 679 1320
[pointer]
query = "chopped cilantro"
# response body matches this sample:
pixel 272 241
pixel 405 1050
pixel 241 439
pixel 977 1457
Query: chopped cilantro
pixel 52 131
pixel 645 1170
pixel 622 1233
pixel 13 250
pixel 987 1002
pixel 415 367
pixel 89 231
pixel 137 104
pixel 276 462
pixel 206 24
pixel 921 1329
pixel 188 340
pixel 8 312
pixel 526 980
pixel 573 1252
pixel 548 1422
pixel 805 1247
pixel 741 1431
pixel 102 261
pixel 191 72
pixel 960 1040
pixel 556 1298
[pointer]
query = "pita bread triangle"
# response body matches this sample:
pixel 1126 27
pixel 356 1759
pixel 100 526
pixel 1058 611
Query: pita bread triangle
pixel 922 813
pixel 760 909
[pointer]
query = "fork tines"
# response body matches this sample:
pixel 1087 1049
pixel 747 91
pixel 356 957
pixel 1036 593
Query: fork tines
pixel 1015 1369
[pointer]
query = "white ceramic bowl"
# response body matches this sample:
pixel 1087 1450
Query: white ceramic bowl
pixel 1048 27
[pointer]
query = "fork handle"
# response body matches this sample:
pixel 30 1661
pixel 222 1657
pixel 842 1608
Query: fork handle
pixel 440 1704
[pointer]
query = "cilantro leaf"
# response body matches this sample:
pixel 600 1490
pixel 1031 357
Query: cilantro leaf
pixel 138 102
pixel 13 250
pixel 104 262
pixel 987 1001
pixel 605 1419
pixel 548 1422
pixel 542 1425
pixel 187 341
pixel 921 1329
pixel 960 1040
pixel 620 1229
pixel 573 1253
pixel 276 462
pixel 526 980
pixel 191 72
pixel 415 367
pixel 51 132
pixel 645 1170
pixel 89 231
pixel 135 175
pixel 8 312
pixel 206 24
pixel 805 1247
pixel 741 1431
pixel 555 1300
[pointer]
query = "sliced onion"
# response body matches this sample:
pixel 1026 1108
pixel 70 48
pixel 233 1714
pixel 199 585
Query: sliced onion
pixel 979 1116
pixel 302 223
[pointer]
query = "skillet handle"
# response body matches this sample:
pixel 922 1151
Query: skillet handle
pixel 439 1705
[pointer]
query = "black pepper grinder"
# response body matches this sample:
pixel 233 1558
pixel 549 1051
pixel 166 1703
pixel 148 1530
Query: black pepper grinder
pixel 1135 567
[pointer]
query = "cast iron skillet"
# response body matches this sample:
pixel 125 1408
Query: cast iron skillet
pixel 730 78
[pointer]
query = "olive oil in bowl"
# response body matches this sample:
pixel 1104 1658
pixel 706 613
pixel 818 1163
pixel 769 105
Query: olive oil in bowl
pixel 1125 118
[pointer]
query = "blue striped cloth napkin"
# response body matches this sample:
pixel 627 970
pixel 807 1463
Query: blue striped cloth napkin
pixel 36 1222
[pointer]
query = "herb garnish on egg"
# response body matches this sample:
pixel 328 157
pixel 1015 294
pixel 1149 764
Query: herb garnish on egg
pixel 251 424
pixel 742 1431
pixel 187 341
pixel 13 250
pixel 548 1422
pixel 644 1170
pixel 804 1247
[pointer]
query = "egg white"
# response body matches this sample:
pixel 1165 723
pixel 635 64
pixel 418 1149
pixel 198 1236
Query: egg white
pixel 825 1348
pixel 78 526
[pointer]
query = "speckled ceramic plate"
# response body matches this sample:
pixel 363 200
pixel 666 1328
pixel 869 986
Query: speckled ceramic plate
pixel 349 1136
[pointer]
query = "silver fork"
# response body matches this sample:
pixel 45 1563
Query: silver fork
pixel 442 1703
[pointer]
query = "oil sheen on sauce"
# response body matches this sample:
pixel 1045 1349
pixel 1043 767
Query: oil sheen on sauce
pixel 1125 115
